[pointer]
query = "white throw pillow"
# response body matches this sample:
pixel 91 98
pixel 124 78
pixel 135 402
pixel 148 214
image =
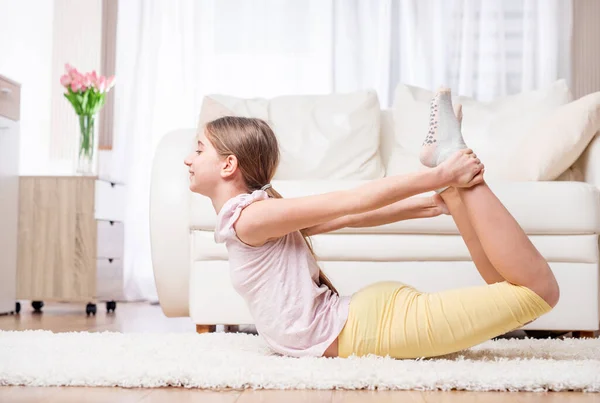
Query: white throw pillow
pixel 557 141
pixel 493 129
pixel 332 136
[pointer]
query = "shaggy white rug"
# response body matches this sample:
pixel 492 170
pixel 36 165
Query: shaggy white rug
pixel 237 360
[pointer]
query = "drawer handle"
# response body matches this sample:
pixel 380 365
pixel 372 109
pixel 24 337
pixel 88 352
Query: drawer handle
pixel 110 260
pixel 6 90
pixel 111 222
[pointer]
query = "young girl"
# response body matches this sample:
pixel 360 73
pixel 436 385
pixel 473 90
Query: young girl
pixel 296 308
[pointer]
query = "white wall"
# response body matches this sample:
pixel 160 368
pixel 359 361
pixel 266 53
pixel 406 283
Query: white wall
pixel 37 38
pixel 26 57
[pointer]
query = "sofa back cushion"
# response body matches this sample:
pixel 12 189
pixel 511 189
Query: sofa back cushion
pixel 332 136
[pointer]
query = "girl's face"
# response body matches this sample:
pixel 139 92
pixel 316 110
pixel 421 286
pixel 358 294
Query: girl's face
pixel 205 167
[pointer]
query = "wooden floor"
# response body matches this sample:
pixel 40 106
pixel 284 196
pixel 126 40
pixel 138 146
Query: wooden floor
pixel 142 317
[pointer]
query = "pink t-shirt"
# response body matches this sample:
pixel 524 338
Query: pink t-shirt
pixel 278 281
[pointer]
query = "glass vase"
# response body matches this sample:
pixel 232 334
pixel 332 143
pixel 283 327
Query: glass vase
pixel 86 161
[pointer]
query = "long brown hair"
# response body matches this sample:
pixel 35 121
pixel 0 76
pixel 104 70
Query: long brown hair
pixel 255 146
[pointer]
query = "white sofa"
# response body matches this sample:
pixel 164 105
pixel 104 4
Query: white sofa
pixel 561 217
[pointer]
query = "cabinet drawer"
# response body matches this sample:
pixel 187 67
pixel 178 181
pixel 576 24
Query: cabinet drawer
pixel 10 99
pixel 110 239
pixel 109 201
pixel 109 279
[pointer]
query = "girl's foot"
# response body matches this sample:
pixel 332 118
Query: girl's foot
pixel 444 137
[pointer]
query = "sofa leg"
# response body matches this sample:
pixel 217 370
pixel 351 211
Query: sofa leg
pixel 205 328
pixel 585 334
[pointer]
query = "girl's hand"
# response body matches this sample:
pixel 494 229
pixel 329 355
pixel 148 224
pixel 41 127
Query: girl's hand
pixel 462 169
pixel 438 205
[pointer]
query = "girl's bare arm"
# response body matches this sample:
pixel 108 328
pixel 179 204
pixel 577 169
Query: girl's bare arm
pixel 416 207
pixel 274 218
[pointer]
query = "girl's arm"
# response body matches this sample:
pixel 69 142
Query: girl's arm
pixel 418 207
pixel 274 218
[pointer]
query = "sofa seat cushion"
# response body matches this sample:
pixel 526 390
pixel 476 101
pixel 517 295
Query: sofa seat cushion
pixel 335 247
pixel 541 208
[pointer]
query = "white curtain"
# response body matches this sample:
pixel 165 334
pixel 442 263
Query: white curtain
pixel 479 48
pixel 156 92
pixel 172 53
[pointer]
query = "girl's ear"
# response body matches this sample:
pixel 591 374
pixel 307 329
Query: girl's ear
pixel 229 166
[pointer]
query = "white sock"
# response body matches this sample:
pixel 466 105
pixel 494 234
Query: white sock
pixel 444 137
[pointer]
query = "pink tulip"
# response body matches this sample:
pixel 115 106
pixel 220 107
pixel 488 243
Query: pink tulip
pixel 94 77
pixel 76 85
pixel 101 84
pixel 110 82
pixel 69 68
pixel 77 76
pixel 78 81
pixel 65 80
pixel 88 80
pixel 73 73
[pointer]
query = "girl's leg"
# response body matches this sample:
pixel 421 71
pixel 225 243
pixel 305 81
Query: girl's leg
pixel 463 223
pixel 506 245
pixel 503 241
pixel 459 213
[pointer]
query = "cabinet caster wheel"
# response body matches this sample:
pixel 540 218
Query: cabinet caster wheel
pixel 37 306
pixel 111 306
pixel 17 308
pixel 90 309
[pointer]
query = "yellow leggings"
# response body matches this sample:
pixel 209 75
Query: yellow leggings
pixel 395 319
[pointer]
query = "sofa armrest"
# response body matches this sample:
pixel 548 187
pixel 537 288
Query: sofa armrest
pixel 169 222
pixel 588 163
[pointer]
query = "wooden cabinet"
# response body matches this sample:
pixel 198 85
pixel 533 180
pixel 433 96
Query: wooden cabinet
pixel 9 191
pixel 70 239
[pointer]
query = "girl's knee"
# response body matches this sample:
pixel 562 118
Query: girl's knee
pixel 545 285
pixel 553 295
pixel 549 291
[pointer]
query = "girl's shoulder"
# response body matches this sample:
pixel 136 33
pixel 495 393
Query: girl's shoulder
pixel 231 211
